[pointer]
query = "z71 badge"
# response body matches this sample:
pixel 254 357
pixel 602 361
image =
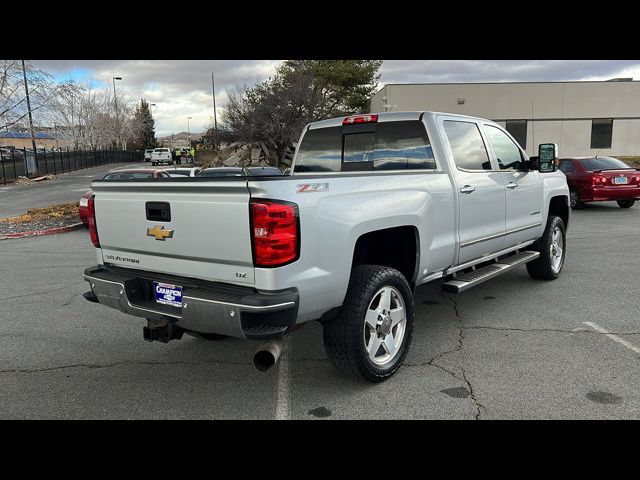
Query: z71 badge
pixel 312 187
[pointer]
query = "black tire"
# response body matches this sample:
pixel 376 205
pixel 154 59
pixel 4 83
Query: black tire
pixel 542 267
pixel 626 203
pixel 574 201
pixel 344 335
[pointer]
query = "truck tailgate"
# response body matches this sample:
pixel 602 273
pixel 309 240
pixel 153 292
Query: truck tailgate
pixel 204 234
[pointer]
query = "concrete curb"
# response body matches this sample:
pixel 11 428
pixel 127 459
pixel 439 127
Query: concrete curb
pixel 48 231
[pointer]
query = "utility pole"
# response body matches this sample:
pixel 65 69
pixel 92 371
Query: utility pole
pixel 33 138
pixel 115 101
pixel 215 114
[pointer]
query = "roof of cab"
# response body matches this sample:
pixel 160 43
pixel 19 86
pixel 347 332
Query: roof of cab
pixel 389 117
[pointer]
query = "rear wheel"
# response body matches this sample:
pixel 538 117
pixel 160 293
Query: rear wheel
pixel 371 336
pixel 626 203
pixel 552 251
pixel 574 200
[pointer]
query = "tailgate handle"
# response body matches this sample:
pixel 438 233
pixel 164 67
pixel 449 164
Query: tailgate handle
pixel 158 211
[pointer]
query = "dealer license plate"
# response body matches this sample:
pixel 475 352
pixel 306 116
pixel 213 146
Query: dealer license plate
pixel 620 180
pixel 168 294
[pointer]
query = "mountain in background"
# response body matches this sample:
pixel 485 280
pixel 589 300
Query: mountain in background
pixel 179 139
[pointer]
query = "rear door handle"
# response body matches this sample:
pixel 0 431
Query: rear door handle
pixel 467 189
pixel 512 185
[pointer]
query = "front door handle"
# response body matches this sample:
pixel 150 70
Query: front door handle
pixel 467 189
pixel 512 185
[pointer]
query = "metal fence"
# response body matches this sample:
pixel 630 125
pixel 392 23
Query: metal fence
pixel 22 162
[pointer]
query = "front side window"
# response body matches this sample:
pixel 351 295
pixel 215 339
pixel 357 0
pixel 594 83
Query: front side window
pixel 507 153
pixel 467 146
pixel 397 145
pixel 601 132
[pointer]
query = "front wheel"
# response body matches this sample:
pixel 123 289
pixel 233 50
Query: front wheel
pixel 370 338
pixel 626 203
pixel 552 251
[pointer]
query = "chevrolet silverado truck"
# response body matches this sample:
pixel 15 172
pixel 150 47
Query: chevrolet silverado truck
pixel 375 206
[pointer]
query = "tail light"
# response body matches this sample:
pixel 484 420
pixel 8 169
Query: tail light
pixel 360 119
pixel 598 180
pixel 275 232
pixel 93 229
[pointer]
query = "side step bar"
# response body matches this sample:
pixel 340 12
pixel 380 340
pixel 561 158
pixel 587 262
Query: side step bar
pixel 465 281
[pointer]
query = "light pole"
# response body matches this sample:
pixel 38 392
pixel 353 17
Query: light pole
pixel 189 132
pixel 115 102
pixel 152 105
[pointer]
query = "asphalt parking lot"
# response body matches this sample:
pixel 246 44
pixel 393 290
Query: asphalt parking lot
pixel 67 187
pixel 512 348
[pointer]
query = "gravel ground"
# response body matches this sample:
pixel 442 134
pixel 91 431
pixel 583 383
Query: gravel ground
pixel 38 224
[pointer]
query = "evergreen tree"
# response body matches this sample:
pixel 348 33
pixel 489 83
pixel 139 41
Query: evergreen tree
pixel 146 135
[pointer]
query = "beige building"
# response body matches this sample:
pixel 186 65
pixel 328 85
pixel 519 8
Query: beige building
pixel 583 118
pixel 43 140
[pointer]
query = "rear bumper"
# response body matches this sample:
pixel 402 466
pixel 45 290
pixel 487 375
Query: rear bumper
pixel 207 307
pixel 604 194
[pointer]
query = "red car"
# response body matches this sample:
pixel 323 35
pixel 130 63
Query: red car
pixel 601 179
pixel 130 173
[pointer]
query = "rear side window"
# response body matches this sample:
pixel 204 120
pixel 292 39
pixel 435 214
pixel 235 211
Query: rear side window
pixel 507 153
pixel 469 151
pixel 380 146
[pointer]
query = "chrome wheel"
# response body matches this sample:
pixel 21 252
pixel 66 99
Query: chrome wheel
pixel 556 250
pixel 384 325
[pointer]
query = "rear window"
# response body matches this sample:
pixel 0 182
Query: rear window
pixel 603 163
pixel 361 147
pixel 161 150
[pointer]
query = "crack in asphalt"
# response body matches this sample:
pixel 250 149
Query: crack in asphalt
pixel 43 292
pixel 117 364
pixel 464 379
pixel 542 330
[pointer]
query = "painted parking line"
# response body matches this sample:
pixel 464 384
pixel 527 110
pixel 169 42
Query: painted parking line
pixel 613 337
pixel 283 384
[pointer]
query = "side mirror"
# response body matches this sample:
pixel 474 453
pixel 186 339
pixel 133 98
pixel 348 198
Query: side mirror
pixel 547 154
pixel 534 162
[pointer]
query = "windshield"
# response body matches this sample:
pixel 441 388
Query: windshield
pixel 603 163
pixel 127 176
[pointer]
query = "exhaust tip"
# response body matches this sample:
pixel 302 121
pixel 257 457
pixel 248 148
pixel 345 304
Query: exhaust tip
pixel 264 360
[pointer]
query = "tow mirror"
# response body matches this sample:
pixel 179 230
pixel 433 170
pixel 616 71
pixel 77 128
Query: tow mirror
pixel 547 154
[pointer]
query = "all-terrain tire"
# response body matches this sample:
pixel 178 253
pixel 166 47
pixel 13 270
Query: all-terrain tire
pixel 544 267
pixel 574 201
pixel 344 337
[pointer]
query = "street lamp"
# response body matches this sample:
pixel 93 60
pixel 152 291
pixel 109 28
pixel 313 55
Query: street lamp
pixel 115 102
pixel 189 132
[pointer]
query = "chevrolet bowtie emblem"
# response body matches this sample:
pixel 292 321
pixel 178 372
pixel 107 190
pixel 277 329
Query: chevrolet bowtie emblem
pixel 159 232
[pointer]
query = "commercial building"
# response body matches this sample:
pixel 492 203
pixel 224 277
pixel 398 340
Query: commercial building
pixel 43 140
pixel 583 118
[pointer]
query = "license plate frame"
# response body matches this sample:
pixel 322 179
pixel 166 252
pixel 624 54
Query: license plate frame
pixel 620 180
pixel 168 294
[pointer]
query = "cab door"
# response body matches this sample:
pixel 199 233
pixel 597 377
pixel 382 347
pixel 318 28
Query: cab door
pixel 479 189
pixel 523 188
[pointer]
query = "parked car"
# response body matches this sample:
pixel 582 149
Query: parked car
pixel 262 171
pixel 601 179
pixel 160 156
pixel 147 154
pixel 222 172
pixel 183 172
pixel 123 174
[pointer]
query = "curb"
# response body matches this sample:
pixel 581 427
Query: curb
pixel 37 233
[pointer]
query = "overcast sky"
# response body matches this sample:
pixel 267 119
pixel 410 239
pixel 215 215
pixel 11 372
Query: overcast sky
pixel 182 88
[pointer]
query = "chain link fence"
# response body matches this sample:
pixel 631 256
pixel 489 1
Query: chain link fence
pixel 22 162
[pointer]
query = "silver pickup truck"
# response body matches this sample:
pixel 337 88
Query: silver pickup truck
pixel 375 206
